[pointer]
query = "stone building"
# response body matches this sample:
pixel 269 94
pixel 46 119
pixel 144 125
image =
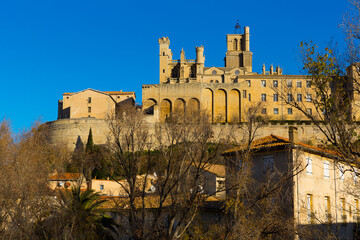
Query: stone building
pixel 92 103
pixel 225 93
pixel 321 192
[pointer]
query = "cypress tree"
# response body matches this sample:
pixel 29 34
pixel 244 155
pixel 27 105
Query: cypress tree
pixel 90 143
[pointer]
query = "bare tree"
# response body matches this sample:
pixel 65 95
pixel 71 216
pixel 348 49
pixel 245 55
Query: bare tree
pixel 26 162
pixel 175 154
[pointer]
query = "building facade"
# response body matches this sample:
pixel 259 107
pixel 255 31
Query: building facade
pixel 321 190
pixel 224 93
pixel 92 103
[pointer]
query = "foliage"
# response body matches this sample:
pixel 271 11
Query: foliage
pixel 90 143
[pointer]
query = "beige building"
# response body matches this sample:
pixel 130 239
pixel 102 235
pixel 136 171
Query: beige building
pixel 225 93
pixel 214 181
pixel 67 180
pixel 92 103
pixel 322 194
pixel 120 188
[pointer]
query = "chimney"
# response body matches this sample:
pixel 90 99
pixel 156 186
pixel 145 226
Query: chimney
pixel 293 134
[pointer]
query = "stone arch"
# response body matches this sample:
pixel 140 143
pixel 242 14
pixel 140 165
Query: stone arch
pixel 149 106
pixel 234 106
pixel 165 109
pixel 208 102
pixel 220 109
pixel 193 107
pixel 179 107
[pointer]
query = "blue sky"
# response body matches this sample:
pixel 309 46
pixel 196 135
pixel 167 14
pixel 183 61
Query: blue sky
pixel 50 47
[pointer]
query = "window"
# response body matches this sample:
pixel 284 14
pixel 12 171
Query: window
pixel 343 210
pixel 263 83
pixel 220 185
pixel 327 209
pixel 249 83
pixel 341 172
pixel 89 109
pixel 308 84
pixel 263 97
pixel 289 111
pixel 276 97
pixel 244 93
pixel 326 169
pixel 249 97
pixel 213 72
pixel 89 100
pixel 308 97
pixel 309 165
pixel 263 110
pixel 275 83
pixel 298 84
pixel 237 72
pixel 355 175
pixel 356 210
pixel 101 187
pixel 163 70
pixel 211 81
pixel 235 45
pixel 268 164
pixel 276 111
pixel 309 206
pixel 309 111
pixel 289 97
pixel 299 98
pixel 289 84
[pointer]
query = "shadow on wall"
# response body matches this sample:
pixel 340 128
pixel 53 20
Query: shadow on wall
pixel 63 113
pixel 330 231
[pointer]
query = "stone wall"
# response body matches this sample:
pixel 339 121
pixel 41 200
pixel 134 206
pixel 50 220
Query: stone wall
pixel 68 131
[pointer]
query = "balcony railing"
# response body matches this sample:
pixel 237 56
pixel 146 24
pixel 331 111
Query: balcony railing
pixel 328 217
pixel 187 60
pixel 181 80
pixel 343 219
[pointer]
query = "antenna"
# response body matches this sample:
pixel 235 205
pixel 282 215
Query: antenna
pixel 237 27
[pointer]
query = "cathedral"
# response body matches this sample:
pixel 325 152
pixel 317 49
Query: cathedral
pixel 224 93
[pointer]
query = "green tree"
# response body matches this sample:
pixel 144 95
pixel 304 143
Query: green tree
pixel 82 213
pixel 90 143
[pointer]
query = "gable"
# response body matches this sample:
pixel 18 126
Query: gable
pixel 213 71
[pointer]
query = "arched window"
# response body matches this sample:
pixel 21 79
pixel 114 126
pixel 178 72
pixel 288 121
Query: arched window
pixel 235 47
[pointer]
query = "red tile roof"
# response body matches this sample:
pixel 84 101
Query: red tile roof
pixel 273 141
pixel 216 169
pixel 65 176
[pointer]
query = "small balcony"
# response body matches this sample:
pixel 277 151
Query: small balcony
pixel 343 219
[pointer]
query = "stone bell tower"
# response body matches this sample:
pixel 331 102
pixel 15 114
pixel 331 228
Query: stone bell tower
pixel 238 50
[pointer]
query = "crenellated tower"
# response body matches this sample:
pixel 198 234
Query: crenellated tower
pixel 165 56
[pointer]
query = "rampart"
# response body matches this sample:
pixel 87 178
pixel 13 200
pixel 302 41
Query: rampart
pixel 68 131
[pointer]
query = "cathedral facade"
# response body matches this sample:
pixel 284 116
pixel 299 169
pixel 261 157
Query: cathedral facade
pixel 225 93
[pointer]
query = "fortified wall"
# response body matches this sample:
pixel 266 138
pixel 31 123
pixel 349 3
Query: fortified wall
pixel 70 131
